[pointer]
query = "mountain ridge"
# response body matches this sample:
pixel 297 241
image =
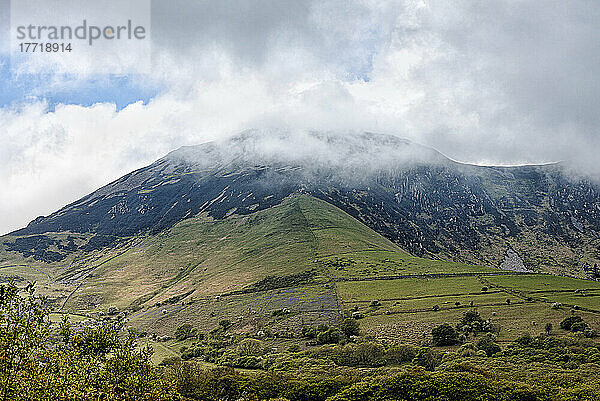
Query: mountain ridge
pixel 413 195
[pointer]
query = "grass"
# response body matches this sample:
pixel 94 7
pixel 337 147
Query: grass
pixel 407 288
pixel 543 283
pixel 391 263
pixel 428 302
pixel 74 318
pixel 247 312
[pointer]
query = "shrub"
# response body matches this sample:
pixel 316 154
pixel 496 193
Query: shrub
pixel 470 317
pixel 330 336
pixel 444 335
pixel 400 354
pixel 170 361
pixel 487 344
pixel 579 327
pixel 467 350
pixel 248 362
pixel 367 354
pixel 568 322
pixel 185 331
pixel 309 332
pixel 349 327
pixel 250 347
pixel 524 340
pixel 81 363
pixel 427 358
pixel 322 327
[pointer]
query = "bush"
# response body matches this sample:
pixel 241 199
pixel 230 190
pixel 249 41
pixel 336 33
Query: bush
pixel 350 327
pixel 250 347
pixel 579 327
pixel 330 336
pixel 467 350
pixel 248 362
pixel 400 354
pixel 470 317
pixel 78 363
pixel 309 332
pixel 444 335
pixel 487 344
pixel 367 354
pixel 568 322
pixel 427 358
pixel 170 361
pixel 185 331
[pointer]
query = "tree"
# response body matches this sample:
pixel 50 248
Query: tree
pixel 350 327
pixel 470 317
pixel 80 362
pixel 569 321
pixel 185 331
pixel 548 328
pixel 444 335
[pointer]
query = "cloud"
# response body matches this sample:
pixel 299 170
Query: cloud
pixel 497 83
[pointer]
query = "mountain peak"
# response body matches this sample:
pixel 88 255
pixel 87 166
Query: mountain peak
pixel 411 194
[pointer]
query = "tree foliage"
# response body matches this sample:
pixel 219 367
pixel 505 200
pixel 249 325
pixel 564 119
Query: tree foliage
pixel 444 335
pixel 98 361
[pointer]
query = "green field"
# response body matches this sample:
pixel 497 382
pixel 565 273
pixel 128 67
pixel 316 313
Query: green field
pixel 408 288
pixel 392 263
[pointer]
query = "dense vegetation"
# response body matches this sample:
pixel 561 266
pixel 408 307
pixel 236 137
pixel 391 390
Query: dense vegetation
pixel 100 360
pixel 95 361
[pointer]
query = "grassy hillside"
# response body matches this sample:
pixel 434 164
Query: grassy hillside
pixel 303 262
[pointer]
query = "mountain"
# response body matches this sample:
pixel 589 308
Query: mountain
pixel 530 218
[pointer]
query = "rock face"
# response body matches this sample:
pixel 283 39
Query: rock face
pixel 512 261
pixel 413 195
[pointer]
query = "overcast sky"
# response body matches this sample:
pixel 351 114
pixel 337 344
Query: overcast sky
pixel 494 82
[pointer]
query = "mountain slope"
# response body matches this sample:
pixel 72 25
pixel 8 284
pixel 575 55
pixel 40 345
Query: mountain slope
pixel 301 262
pixel 531 217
